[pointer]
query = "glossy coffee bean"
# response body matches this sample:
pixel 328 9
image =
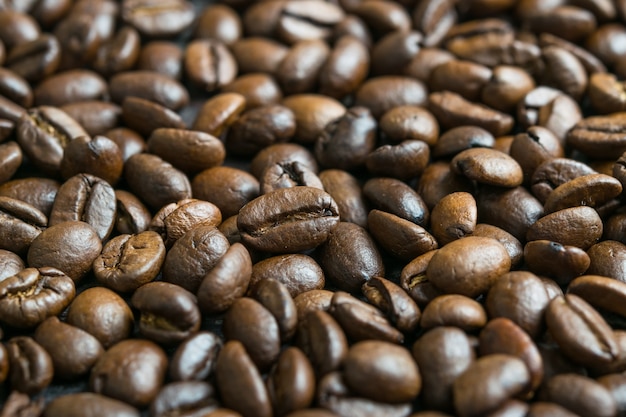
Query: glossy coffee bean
pixel 322 340
pixel 454 310
pixel 88 404
pixel 98 156
pixel 10 264
pixel 291 384
pixel 22 223
pixel 169 18
pixel 30 366
pixel 184 396
pixel 194 359
pixel 176 219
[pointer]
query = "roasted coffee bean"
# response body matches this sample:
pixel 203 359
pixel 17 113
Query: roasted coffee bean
pixel 194 359
pixel 36 59
pixel 129 141
pixel 560 262
pixel 461 138
pixel 345 190
pixel 345 142
pixel 209 64
pixel 154 18
pixel 599 136
pixel 10 264
pixel 310 301
pixel 510 243
pixel 602 292
pixel 465 78
pixel 176 219
pixel 581 395
pixel 568 22
pixel 345 68
pixel 394 51
pixel 103 314
pixel 32 295
pixel 227 187
pixel 227 281
pixel 219 112
pixel 307 20
pixel 377 361
pixel 350 257
pixel 362 321
pixel 334 395
pixel 148 85
pixel 70 246
pixel 608 258
pixel 322 340
pixel 506 87
pixel 590 190
pixel 468 266
pixel 454 310
pixel 270 222
pixel 555 172
pixel 156 181
pixel 184 397
pixel 15 88
pixel 88 404
pixel 73 351
pixel 396 197
pixel 69 87
pixel 44 133
pixel 545 409
pixel 291 382
pixel 563 70
pixel 221 22
pixel 99 156
pixel 145 116
pixel 455 216
pixel 260 127
pixel 288 175
pixel 132 216
pixel 381 94
pixel 488 382
pixel 280 153
pixel 391 299
pixel 119 53
pixel 438 180
pixel 236 373
pixel 383 16
pixel 95 116
pixel 259 89
pixel 580 331
pixel 577 226
pixel 168 313
pixel 275 297
pixel 258 54
pixel 442 354
pixel 164 57
pixel 17 28
pixel 413 280
pixel 21 224
pixel 300 68
pixel 85 198
pixel 131 371
pixel 313 112
pixel 30 366
pixel 501 335
pixel 38 192
pixel 534 147
pixel 193 255
pixel 404 161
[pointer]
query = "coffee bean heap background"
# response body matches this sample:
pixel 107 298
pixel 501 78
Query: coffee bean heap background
pixel 311 209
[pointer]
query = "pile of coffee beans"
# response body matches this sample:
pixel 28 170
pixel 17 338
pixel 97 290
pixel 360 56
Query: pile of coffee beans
pixel 309 208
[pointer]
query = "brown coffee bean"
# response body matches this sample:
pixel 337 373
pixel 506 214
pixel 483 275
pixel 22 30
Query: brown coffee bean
pixel 312 112
pixel 11 158
pixel 221 22
pixel 21 224
pixel 555 172
pixel 258 54
pixel 10 264
pixel 454 217
pixel 157 19
pixel 155 181
pixel 30 366
pixel 405 122
pixel 590 190
pixel 580 331
pixel 568 22
pixel 260 127
pixel 362 321
pixel 608 258
pixel 73 351
pixel 299 69
pixel 404 161
pixel 194 359
pixel 489 382
pixel 227 187
pixel 184 397
pixel 129 141
pixel 209 64
pixel 175 219
pixel 383 16
pixel 168 313
pixel 506 87
pixel 88 404
pixel 488 166
pixel 545 409
pixel 468 266
pixel 120 53
pixel 275 297
pixel 310 301
pixel 599 136
pixel 550 108
pixel 394 51
pixel 100 157
pixel 413 280
pixel 132 216
pixel 510 243
pixel 383 93
pixel 601 292
pixel 438 180
pixel 38 192
pixel 271 221
pixel 259 89
pixel 132 371
pixel 560 262
pixel 164 57
pixel 501 335
pixel 396 197
pixel 298 272
pixel 70 86
pixel 605 93
pixel 442 354
pixel 34 294
pixel 145 116
pixel 35 59
pixel 396 303
pixel 563 70
pixel 86 198
pixel 148 85
pixel 526 300
pixel 322 340
pixel 345 68
pixel 534 147
pixel 306 20
pixel 454 310
pixel 219 112
pixel 577 226
pixel 236 373
pixel 291 382
pixel 103 314
pixel 398 236
pixel 344 188
pixel 581 395
pixel 288 175
pixel 193 255
pixel 392 372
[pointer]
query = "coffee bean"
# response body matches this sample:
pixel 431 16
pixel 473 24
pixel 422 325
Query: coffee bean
pixel 307 20
pixel 383 93
pixel 100 157
pixel 164 57
pixel 590 190
pixel 209 64
pixel 313 112
pixel 70 86
pixel 566 227
pixel 73 351
pixel 194 359
pixel 227 281
pixel 288 175
pixel 510 243
pixel 270 221
pixel 145 116
pixel 345 68
pixel 506 87
pixel 227 187
pixel 300 68
pixel 70 246
pixel 30 366
pixel 585 136
pixel 32 295
pixel 608 258
pixel 166 322
pixel 119 53
pixel 129 141
pixel 258 54
pixel 561 262
pixel 35 59
pixel 154 18
pixel 383 16
pixel 275 297
pixel 259 89
pixel 220 22
pixel 184 396
pixel 15 88
pixel 103 314
pixel 236 373
pixel 454 310
pixel 550 108
pixel 282 152
pixel 260 127
pixel 176 219
pixel 323 341
pixel 131 371
pixel 591 398
pixel 219 112
pixel 95 116
pixel 132 216
pixel 88 404
pixel 86 198
pixel 10 264
pixel 291 382
pixel 21 224
pixel 404 161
